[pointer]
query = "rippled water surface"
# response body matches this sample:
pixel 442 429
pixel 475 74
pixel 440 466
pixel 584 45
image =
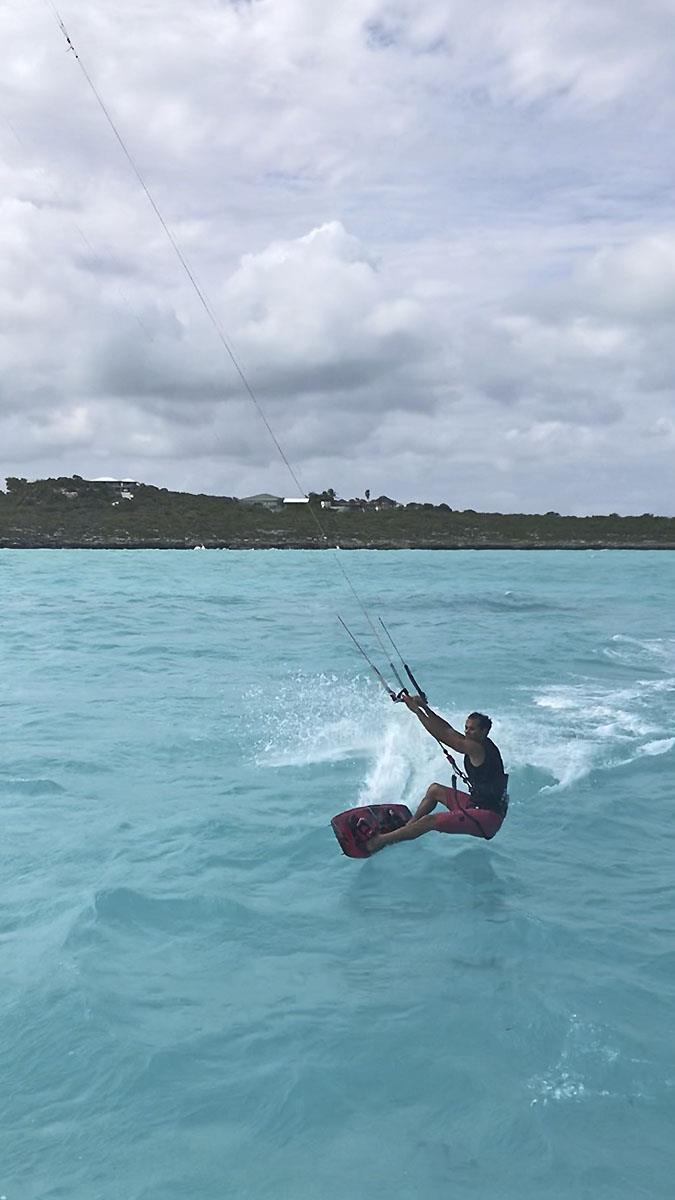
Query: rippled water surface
pixel 202 998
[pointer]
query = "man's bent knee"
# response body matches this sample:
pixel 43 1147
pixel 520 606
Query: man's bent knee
pixel 436 791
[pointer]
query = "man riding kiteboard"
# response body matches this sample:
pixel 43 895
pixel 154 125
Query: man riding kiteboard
pixel 479 814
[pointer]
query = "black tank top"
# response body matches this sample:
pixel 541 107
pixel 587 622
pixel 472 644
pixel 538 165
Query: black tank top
pixel 488 782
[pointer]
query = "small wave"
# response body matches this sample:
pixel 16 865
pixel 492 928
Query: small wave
pixel 516 604
pixel 36 787
pixel 583 723
pixel 557 701
pixel 660 746
pixel 655 652
pixel 494 602
pixel 606 710
pixel 130 908
pixel 648 750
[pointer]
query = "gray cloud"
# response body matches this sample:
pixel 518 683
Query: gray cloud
pixel 438 238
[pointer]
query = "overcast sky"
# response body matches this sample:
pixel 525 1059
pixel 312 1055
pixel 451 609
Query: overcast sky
pixel 439 236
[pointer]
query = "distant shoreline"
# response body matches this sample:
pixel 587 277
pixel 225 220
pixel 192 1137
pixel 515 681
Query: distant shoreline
pixel 71 513
pixel 10 544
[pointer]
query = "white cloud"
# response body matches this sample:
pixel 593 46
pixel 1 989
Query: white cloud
pixel 636 280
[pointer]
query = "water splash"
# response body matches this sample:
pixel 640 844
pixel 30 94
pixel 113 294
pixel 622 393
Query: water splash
pixel 314 719
pixel 318 719
pixel 564 730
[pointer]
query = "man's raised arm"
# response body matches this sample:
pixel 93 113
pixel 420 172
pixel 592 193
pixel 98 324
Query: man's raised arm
pixel 435 725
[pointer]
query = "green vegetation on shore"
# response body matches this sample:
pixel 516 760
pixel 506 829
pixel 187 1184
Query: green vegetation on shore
pixel 73 512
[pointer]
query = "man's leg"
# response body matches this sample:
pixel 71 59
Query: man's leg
pixel 434 793
pixel 406 833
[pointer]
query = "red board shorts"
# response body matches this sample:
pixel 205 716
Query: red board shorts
pixel 461 817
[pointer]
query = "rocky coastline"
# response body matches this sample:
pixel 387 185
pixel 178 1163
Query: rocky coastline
pixel 37 541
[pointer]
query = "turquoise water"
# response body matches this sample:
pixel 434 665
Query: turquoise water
pixel 202 998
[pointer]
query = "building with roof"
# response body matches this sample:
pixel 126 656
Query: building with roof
pixel 263 500
pixel 118 486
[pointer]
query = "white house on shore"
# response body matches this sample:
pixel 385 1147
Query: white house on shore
pixel 121 488
pixel 296 500
pixel 115 485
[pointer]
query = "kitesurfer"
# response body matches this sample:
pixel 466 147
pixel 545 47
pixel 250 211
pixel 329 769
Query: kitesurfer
pixel 479 814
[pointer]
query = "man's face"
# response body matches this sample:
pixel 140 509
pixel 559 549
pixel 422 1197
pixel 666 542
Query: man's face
pixel 473 730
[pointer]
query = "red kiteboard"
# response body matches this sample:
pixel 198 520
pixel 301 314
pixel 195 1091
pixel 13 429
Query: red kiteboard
pixel 354 827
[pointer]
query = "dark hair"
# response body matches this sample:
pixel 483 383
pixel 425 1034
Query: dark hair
pixel 484 722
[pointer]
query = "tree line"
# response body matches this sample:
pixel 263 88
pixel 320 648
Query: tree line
pixel 72 511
